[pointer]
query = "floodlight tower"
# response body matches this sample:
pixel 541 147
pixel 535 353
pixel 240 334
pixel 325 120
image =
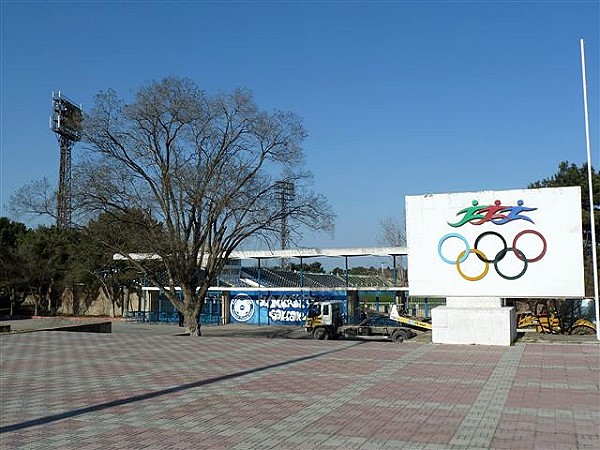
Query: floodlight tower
pixel 66 122
pixel 285 194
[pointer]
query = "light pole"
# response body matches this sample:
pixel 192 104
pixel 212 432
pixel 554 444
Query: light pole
pixel 590 188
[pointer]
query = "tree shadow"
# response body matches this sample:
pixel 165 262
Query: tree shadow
pixel 150 395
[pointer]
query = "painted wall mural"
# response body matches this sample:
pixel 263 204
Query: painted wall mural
pixel 275 307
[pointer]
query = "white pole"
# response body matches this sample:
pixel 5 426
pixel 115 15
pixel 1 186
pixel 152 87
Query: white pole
pixel 590 188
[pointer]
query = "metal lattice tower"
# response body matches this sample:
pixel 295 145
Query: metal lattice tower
pixel 285 194
pixel 66 122
pixel 63 196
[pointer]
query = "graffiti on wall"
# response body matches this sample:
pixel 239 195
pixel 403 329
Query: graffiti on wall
pixel 275 307
pixel 283 307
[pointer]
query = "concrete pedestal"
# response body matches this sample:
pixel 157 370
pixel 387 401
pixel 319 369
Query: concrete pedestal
pixel 474 320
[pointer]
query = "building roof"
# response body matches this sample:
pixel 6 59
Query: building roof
pixel 292 253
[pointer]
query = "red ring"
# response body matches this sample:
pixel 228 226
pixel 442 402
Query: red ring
pixel 538 257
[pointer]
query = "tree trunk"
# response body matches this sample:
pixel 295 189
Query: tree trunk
pixel 125 301
pixel 49 299
pixel 192 322
pixel 12 302
pixel 190 306
pixel 192 311
pixel 113 301
pixel 37 297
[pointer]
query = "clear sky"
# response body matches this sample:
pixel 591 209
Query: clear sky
pixel 398 97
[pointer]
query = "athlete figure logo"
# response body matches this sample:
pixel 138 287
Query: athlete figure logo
pixel 492 213
pixel 470 213
pixel 514 213
pixel 497 213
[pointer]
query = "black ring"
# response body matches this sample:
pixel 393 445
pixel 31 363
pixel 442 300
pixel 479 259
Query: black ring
pixel 501 255
pixel 489 261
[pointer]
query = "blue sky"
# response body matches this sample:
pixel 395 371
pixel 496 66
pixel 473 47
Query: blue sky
pixel 399 98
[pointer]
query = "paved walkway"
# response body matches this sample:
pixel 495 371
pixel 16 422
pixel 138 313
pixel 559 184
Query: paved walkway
pixel 147 390
pixel 120 326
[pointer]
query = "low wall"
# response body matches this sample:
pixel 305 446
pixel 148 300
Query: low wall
pixel 474 320
pixel 96 327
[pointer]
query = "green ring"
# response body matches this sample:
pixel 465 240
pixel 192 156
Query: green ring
pixel 501 255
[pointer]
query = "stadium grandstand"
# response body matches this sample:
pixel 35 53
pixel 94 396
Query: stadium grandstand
pixel 254 293
pixel 275 277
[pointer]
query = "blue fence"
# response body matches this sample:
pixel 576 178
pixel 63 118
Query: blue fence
pixel 166 312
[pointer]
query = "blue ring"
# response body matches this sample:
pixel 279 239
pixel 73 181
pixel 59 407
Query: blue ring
pixel 448 236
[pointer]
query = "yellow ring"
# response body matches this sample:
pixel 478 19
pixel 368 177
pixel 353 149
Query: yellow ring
pixel 482 274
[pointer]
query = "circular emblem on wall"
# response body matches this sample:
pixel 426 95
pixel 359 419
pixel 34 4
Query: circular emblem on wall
pixel 242 308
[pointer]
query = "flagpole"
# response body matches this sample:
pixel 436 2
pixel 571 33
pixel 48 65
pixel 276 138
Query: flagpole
pixel 590 188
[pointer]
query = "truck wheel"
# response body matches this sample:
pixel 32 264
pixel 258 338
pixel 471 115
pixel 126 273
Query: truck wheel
pixel 399 336
pixel 321 334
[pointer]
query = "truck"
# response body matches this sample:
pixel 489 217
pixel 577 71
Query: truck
pixel 325 321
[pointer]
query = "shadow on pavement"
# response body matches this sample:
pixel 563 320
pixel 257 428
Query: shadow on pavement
pixel 150 395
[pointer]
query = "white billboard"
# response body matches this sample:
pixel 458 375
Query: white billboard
pixel 514 243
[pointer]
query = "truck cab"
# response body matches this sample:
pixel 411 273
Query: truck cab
pixel 323 319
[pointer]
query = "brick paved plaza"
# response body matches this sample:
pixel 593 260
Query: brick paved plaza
pixel 149 391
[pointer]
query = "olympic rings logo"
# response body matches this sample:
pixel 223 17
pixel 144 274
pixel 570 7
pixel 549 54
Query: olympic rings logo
pixel 464 254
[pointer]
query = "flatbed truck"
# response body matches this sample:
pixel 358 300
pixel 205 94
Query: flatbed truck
pixel 324 321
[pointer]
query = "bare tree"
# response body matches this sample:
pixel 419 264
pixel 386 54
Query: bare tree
pixel 392 232
pixel 203 167
pixel 37 198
